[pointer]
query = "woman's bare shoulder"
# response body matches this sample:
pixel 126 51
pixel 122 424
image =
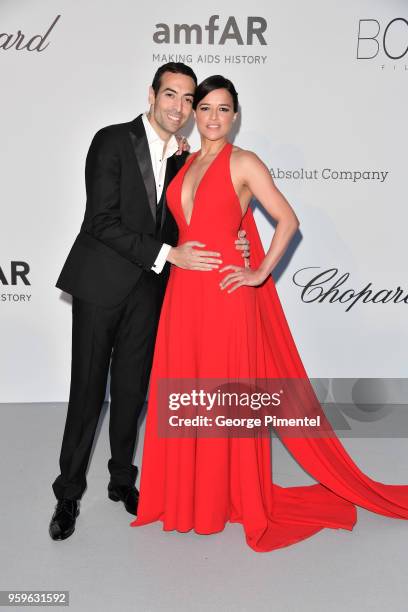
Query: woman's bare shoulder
pixel 244 156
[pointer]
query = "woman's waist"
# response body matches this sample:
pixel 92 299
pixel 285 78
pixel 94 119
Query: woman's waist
pixel 225 246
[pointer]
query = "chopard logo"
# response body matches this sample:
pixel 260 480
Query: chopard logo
pixel 182 33
pixel 320 289
pixel 21 41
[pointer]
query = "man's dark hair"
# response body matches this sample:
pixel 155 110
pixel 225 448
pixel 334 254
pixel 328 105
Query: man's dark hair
pixel 215 82
pixel 175 68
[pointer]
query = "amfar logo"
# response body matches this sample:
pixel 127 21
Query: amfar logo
pixel 18 270
pixel 35 43
pixel 393 38
pixel 15 275
pixel 182 33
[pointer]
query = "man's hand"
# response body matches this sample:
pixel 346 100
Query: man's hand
pixel 244 246
pixel 183 144
pixel 187 257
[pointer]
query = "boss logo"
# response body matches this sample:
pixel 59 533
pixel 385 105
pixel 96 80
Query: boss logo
pixel 392 38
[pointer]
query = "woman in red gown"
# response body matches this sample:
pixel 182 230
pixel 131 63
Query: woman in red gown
pixel 231 325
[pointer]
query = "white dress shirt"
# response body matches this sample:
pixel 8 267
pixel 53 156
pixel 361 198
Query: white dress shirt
pixel 159 156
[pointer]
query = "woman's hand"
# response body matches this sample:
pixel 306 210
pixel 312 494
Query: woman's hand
pixel 240 277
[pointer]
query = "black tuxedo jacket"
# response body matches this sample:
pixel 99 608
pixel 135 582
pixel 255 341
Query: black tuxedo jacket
pixel 118 237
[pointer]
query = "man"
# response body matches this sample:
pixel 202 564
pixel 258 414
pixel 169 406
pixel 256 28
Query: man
pixel 117 272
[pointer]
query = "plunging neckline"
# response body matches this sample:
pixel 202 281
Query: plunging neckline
pixel 189 162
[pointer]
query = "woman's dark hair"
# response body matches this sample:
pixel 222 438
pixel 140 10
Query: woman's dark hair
pixel 215 82
pixel 175 68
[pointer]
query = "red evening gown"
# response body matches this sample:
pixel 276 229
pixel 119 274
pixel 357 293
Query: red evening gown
pixel 202 483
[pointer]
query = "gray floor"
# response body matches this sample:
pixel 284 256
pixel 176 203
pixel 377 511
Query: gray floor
pixel 108 565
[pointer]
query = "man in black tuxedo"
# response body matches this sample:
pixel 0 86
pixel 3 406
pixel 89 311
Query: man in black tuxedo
pixel 117 272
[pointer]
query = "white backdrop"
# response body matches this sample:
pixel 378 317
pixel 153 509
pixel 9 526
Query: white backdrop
pixel 316 97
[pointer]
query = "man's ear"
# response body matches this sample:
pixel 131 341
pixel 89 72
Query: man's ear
pixel 152 96
pixel 235 116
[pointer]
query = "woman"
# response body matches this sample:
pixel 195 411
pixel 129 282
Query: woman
pixel 231 325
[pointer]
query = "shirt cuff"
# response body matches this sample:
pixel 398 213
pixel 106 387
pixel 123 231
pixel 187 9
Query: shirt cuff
pixel 161 258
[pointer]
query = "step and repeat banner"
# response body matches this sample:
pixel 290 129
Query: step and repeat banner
pixel 323 96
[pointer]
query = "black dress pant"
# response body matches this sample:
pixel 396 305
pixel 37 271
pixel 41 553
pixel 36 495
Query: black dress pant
pixel 124 337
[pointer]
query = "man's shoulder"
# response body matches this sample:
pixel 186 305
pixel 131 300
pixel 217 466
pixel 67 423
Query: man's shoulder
pixel 116 130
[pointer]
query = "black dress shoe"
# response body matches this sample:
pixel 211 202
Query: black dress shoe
pixel 129 496
pixel 62 523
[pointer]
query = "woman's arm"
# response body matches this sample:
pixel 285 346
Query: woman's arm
pixel 249 174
